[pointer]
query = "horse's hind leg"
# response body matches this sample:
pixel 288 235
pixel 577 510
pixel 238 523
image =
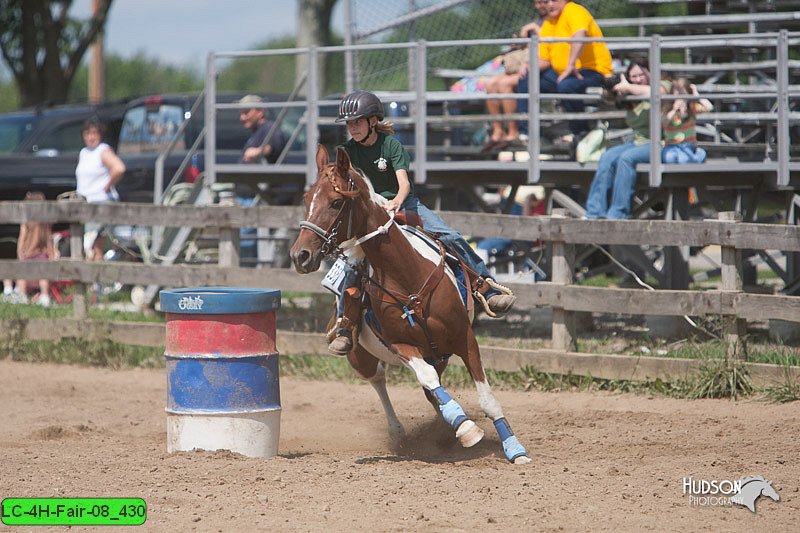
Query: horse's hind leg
pixel 467 432
pixel 374 371
pixel 513 449
pixel 428 394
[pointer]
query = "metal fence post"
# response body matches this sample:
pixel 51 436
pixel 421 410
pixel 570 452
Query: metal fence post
pixel 534 101
pixel 420 116
pixel 782 76
pixel 655 111
pixel 312 116
pixel 210 109
pixel 349 63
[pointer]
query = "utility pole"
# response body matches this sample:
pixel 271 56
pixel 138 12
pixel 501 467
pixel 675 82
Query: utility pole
pixel 97 73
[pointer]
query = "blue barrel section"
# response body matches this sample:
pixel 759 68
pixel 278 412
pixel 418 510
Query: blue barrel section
pixel 241 385
pixel 223 389
pixel 220 300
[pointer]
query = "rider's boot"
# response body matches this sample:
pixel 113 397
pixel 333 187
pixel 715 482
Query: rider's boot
pixel 500 303
pixel 342 344
pixel 499 299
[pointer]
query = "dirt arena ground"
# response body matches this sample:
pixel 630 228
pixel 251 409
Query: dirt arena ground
pixel 600 461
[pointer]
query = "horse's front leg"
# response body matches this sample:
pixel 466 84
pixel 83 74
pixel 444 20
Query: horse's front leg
pixel 374 371
pixel 513 449
pixel 467 432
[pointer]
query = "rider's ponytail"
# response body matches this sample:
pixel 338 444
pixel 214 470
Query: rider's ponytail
pixel 385 127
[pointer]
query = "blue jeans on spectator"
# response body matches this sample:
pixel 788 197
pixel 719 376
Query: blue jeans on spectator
pixel 571 85
pixel 616 173
pixel 683 153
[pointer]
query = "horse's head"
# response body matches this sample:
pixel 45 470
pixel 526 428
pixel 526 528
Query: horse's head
pixel 331 205
pixel 770 492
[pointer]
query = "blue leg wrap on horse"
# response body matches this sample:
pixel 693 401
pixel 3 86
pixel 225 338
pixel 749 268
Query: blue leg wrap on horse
pixel 511 445
pixel 452 413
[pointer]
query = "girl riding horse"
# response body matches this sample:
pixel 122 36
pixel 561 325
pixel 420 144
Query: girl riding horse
pixel 375 151
pixel 416 316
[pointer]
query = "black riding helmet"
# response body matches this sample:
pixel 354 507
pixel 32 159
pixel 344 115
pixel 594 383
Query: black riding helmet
pixel 358 104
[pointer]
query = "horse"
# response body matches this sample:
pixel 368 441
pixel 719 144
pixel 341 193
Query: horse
pixel 413 294
pixel 752 488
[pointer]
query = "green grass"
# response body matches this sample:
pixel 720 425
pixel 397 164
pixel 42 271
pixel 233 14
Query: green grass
pixel 716 379
pixel 721 378
pixel 85 353
pixel 788 391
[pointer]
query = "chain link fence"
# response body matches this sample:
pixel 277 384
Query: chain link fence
pixel 391 21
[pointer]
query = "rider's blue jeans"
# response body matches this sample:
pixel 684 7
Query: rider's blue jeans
pixel 450 237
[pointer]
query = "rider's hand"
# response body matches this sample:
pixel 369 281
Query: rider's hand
pixel 392 205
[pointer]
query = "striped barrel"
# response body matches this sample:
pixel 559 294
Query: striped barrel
pixel 223 391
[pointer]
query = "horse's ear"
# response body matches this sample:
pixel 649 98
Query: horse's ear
pixel 322 156
pixel 342 161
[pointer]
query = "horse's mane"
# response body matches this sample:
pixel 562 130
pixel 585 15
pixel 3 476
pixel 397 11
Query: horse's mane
pixel 377 198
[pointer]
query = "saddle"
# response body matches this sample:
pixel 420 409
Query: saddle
pixel 408 218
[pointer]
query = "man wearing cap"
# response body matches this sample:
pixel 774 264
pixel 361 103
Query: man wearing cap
pixel 255 120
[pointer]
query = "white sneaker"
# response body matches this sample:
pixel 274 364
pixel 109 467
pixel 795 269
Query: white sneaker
pixel 44 301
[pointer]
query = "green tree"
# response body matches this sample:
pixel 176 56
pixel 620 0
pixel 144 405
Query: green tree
pixel 43 46
pixel 274 74
pixel 136 76
pixel 314 29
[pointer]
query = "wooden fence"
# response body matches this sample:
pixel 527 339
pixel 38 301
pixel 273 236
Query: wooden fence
pixel 565 298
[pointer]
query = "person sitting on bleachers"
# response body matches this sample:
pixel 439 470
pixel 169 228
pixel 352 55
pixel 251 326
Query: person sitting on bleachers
pixel 616 170
pixel 569 68
pixel 505 133
pixel 679 125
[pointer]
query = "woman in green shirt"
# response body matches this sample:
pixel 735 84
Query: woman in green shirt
pixel 616 170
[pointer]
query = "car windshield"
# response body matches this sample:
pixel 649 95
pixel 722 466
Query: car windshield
pixel 150 128
pixel 14 129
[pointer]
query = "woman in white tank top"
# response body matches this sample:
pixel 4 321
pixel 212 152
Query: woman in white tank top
pixel 98 170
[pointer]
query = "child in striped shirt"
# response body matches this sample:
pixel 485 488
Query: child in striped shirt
pixel 679 125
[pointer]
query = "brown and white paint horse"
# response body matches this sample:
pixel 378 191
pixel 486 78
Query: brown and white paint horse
pixel 341 206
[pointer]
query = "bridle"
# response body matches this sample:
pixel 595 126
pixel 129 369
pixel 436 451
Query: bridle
pixel 329 236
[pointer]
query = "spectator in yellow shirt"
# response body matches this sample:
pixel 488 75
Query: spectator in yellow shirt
pixel 570 67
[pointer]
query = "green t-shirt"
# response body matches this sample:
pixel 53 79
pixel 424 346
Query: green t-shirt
pixel 379 162
pixel 638 118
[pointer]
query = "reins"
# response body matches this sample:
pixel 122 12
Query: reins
pixel 412 306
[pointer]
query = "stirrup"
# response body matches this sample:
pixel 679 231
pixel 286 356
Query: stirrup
pixel 482 299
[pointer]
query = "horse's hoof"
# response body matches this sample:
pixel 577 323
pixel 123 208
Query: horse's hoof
pixel 522 460
pixel 469 434
pixel 397 432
